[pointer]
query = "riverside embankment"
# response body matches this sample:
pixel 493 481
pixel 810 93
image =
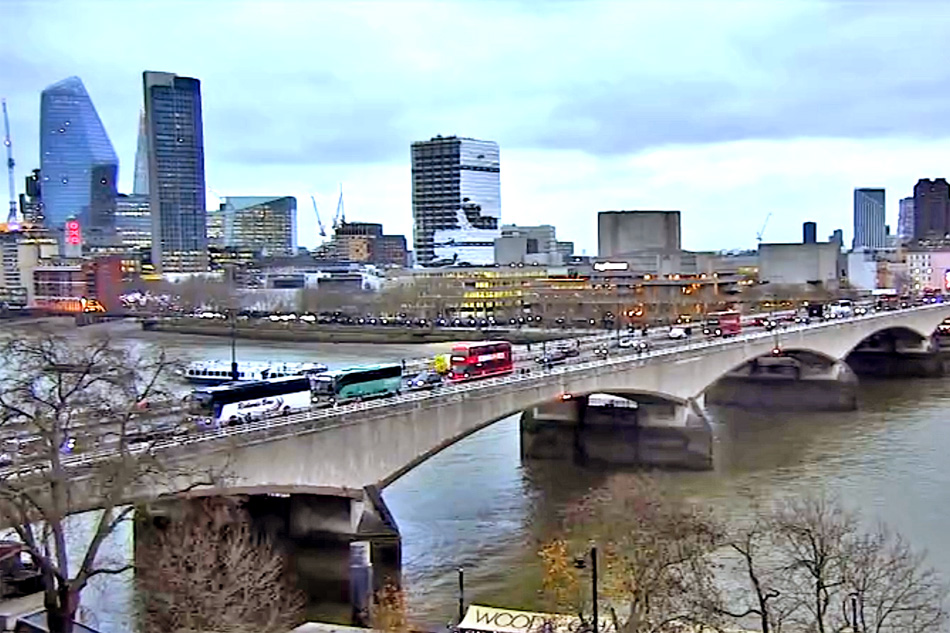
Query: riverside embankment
pixel 305 332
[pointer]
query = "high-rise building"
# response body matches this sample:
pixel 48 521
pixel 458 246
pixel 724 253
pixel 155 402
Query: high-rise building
pixel 905 219
pixel 456 200
pixel 869 232
pixel 176 172
pixel 265 225
pixel 809 233
pixel 140 181
pixel 133 222
pixel 931 209
pixel 78 165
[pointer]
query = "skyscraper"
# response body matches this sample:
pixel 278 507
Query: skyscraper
pixel 905 219
pixel 869 232
pixel 176 172
pixel 456 200
pixel 78 165
pixel 140 182
pixel 931 209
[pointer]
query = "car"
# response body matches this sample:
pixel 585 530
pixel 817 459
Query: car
pixel 569 350
pixel 425 380
pixel 602 352
pixel 858 311
pixel 551 358
pixel 677 333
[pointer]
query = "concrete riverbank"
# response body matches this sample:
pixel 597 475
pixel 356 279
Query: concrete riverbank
pixel 303 332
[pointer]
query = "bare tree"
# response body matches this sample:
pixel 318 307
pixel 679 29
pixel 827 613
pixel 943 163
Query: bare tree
pixel 655 552
pixel 59 396
pixel 805 565
pixel 211 571
pixel 808 564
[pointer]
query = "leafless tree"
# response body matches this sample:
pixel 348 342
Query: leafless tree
pixel 209 570
pixel 655 552
pixel 60 396
pixel 804 565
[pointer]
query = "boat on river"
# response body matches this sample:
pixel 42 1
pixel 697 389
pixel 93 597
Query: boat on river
pixel 217 372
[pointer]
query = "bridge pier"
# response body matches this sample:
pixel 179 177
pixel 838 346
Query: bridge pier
pixel 900 359
pixel 786 384
pixel 316 533
pixel 648 432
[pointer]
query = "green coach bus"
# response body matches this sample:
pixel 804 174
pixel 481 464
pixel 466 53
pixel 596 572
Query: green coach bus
pixel 356 383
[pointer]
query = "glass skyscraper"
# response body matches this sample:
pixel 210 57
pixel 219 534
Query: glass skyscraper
pixel 78 165
pixel 456 200
pixel 176 172
pixel 869 224
pixel 266 225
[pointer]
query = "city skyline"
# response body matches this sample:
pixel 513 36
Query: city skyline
pixel 567 155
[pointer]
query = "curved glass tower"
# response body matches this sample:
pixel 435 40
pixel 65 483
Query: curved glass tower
pixel 77 162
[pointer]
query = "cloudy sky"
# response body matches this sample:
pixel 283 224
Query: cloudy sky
pixel 724 110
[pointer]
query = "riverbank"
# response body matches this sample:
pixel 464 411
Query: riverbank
pixel 303 332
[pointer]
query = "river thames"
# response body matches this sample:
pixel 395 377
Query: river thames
pixel 476 506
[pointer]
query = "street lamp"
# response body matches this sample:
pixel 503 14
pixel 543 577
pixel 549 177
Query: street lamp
pixel 234 365
pixel 581 563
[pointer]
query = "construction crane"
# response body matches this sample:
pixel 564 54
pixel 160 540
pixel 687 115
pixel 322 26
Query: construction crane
pixel 323 231
pixel 340 218
pixel 12 215
pixel 758 236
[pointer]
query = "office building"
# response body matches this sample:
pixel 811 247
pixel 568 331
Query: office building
pixel 837 236
pixel 140 176
pixel 533 245
pixel 133 222
pixel 622 233
pixel 931 209
pixel 869 231
pixel 176 172
pixel 20 253
pixel 817 264
pixel 264 225
pixel 905 219
pixel 364 242
pixel 456 200
pixel 78 165
pixel 809 233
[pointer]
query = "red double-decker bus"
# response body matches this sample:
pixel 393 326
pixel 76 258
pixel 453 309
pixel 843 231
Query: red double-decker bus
pixel 726 323
pixel 480 360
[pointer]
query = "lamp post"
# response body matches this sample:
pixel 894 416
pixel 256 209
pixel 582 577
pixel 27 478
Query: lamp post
pixel 234 365
pixel 580 563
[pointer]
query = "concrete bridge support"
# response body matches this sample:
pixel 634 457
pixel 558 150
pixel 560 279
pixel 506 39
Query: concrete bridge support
pixel 649 433
pixel 892 357
pixel 786 384
pixel 314 531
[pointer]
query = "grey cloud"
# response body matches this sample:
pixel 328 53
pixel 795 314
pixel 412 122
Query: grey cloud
pixel 862 77
pixel 323 133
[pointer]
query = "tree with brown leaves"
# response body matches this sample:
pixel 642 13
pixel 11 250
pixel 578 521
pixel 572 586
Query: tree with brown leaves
pixel 654 556
pixel 69 417
pixel 209 570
